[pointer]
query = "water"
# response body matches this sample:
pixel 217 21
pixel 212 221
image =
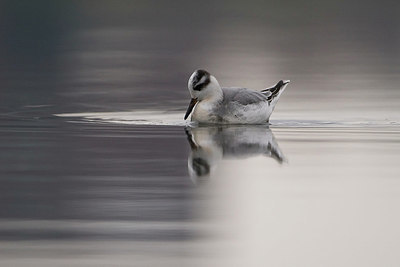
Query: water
pixel 98 167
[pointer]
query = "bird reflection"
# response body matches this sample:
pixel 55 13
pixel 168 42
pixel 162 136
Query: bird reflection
pixel 210 144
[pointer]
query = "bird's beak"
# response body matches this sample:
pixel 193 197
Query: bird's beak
pixel 193 102
pixel 286 82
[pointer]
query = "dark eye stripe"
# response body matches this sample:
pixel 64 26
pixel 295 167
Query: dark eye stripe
pixel 200 86
pixel 199 75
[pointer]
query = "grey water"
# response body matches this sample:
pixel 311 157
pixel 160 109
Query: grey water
pixel 98 168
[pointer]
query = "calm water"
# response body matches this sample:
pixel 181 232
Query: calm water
pixel 98 168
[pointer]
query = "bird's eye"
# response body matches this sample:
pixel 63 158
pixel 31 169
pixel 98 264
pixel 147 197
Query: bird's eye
pixel 200 82
pixel 199 86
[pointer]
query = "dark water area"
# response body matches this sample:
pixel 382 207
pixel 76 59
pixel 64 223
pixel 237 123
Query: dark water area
pixel 98 168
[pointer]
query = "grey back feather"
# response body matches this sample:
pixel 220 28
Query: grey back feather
pixel 242 96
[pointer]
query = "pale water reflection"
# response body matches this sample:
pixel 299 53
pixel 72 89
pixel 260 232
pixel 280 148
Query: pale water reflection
pixel 333 205
pixel 211 144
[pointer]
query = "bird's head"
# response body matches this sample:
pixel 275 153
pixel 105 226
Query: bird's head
pixel 202 85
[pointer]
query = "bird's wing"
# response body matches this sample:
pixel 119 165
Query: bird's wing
pixel 274 91
pixel 243 96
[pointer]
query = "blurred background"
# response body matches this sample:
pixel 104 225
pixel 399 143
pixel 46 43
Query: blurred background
pixel 123 55
pixel 98 194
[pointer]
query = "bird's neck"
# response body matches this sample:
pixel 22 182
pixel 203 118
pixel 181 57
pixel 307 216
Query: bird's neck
pixel 215 91
pixel 217 96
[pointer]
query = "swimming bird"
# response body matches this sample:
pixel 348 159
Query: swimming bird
pixel 212 104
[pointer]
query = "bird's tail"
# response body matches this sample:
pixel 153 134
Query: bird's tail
pixel 273 93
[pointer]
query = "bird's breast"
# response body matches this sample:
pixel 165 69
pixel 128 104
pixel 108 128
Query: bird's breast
pixel 205 112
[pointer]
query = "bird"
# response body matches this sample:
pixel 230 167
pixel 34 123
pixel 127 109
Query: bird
pixel 212 104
